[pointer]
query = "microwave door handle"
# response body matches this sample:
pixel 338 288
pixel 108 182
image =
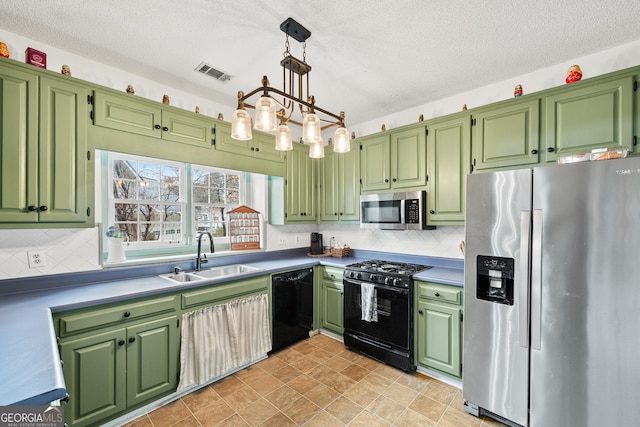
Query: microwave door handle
pixel 402 210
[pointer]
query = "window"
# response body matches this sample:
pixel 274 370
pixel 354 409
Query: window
pixel 214 192
pixel 147 199
pixel 160 203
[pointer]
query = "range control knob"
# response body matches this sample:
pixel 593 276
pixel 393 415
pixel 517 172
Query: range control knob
pixel 396 281
pixel 373 278
pixel 358 276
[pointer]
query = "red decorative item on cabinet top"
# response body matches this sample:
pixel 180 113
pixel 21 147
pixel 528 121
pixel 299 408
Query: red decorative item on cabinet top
pixel 574 74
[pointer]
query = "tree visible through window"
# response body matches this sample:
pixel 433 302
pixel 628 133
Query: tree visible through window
pixel 147 199
pixel 214 192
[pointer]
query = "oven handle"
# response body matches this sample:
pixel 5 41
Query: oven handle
pixel 350 282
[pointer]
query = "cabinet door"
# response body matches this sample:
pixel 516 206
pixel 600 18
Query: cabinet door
pixel 375 163
pixel 261 146
pixel 438 340
pixel 408 158
pixel 64 159
pixel 152 359
pixel 330 187
pixel 507 136
pixel 348 184
pixel 187 128
pixel 332 306
pixel 448 154
pixel 18 145
pixel 300 182
pixel 264 145
pixel 224 142
pixel 95 376
pixel 590 117
pixel 129 115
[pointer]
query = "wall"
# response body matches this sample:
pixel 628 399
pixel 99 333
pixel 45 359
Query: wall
pixel 70 250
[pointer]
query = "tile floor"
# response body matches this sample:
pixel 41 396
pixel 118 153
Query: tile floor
pixel 318 382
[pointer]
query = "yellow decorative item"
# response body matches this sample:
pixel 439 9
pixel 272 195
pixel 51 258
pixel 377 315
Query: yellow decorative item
pixel 3 50
pixel 574 74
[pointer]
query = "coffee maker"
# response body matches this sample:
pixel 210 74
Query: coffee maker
pixel 316 244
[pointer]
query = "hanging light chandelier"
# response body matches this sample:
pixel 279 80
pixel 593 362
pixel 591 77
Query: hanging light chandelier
pixel 273 114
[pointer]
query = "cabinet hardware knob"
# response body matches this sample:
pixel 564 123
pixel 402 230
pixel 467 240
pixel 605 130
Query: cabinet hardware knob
pixel 394 180
pixel 437 294
pixel 341 213
pixel 386 180
pixel 165 129
pixel 534 151
pixel 127 313
pixel 132 339
pixel 550 149
pixel 335 214
pixel 157 126
pixel 432 212
pixel 257 148
pixel 43 208
pixel 32 208
pixel 420 311
pixel 333 277
pixel 121 342
pixel 253 149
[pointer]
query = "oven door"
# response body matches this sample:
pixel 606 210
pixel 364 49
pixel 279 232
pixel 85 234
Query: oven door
pixel 394 314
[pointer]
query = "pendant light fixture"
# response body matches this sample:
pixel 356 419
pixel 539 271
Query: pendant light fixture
pixel 316 150
pixel 294 98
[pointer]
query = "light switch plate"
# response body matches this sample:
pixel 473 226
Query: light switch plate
pixel 36 259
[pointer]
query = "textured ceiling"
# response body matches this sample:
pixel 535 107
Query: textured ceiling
pixel 368 58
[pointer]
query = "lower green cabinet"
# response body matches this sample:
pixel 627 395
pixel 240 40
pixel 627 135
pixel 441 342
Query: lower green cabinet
pixel 438 331
pixel 331 300
pixel 111 370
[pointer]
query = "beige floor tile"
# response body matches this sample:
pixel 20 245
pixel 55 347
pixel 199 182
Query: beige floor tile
pixel 250 374
pixel 337 363
pixel 338 382
pixel 321 356
pixel 303 383
pixel 301 410
pixel 201 399
pixel 304 364
pixel 410 418
pixel 344 409
pixel 400 394
pixel 388 372
pixel 355 372
pixel 283 397
pixel 377 382
pixel 213 414
pixel 233 421
pixel 190 421
pixel 367 363
pixel 428 407
pixel 367 419
pixel 170 414
pixel 278 420
pixel 440 391
pixel 304 347
pixel 286 374
pixel 143 421
pixel 386 408
pixel 289 355
pixel 257 412
pixel 454 418
pixel 228 385
pixel 324 419
pixel 362 394
pixel 241 398
pixel 415 382
pixel 266 384
pixel 321 395
pixel 271 364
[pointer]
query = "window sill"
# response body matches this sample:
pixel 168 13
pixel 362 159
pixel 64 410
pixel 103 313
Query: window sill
pixel 163 259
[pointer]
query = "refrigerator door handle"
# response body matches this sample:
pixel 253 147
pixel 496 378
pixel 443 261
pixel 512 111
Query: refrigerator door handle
pixel 536 280
pixel 523 285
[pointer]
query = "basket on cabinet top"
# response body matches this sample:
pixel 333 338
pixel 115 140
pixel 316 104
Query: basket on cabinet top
pixel 244 228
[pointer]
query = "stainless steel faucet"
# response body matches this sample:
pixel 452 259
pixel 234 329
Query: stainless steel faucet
pixel 202 259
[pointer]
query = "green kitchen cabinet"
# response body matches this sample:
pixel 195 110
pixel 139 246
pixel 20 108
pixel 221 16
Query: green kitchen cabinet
pixel 507 135
pixel 118 357
pixel 45 168
pixel 340 186
pixel 589 116
pixel 331 300
pixel 449 162
pixel 438 331
pixel 394 160
pixel 300 186
pixel 262 146
pixel 143 117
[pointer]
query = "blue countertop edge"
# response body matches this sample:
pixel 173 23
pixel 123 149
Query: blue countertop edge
pixel 30 362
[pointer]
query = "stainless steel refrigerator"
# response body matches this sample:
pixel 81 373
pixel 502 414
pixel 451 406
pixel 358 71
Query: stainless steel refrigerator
pixel 552 295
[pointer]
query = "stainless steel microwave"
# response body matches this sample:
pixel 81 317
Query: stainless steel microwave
pixel 394 211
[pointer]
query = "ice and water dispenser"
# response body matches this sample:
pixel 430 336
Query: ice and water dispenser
pixel 495 279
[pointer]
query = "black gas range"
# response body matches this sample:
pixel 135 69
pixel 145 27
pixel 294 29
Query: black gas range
pixel 383 329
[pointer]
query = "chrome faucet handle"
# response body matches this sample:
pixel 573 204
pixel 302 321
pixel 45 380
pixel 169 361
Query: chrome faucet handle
pixel 176 270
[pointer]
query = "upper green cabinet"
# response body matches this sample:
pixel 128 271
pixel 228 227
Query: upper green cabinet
pixel 300 182
pixel 262 145
pixel 394 160
pixel 135 115
pixel 507 136
pixel 45 169
pixel 340 185
pixel 448 154
pixel 590 116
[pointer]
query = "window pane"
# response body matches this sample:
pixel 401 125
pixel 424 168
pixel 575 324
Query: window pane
pixel 171 231
pixel 200 195
pixel 233 197
pixel 124 189
pixel 217 196
pixel 125 212
pixel 130 229
pixel 217 179
pixel 149 190
pixel 200 177
pixel 148 171
pixel 124 169
pixel 149 212
pixel 218 229
pixel 172 213
pixel 149 231
pixel 233 181
pixel 170 192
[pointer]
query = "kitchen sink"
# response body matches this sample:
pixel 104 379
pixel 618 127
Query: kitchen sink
pixel 226 270
pixel 210 273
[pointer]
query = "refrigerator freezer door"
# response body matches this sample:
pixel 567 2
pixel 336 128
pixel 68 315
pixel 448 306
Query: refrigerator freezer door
pixel 495 340
pixel 586 372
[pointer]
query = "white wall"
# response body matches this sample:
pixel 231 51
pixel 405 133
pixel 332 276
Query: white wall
pixel 70 250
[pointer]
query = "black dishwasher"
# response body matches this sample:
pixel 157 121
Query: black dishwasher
pixel 292 296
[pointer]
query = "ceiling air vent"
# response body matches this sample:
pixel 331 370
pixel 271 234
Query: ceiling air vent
pixel 208 69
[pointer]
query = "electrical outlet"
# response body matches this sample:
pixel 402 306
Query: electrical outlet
pixel 282 241
pixel 36 259
pixel 297 239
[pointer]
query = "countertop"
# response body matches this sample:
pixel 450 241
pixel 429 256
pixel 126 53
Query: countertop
pixel 29 360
